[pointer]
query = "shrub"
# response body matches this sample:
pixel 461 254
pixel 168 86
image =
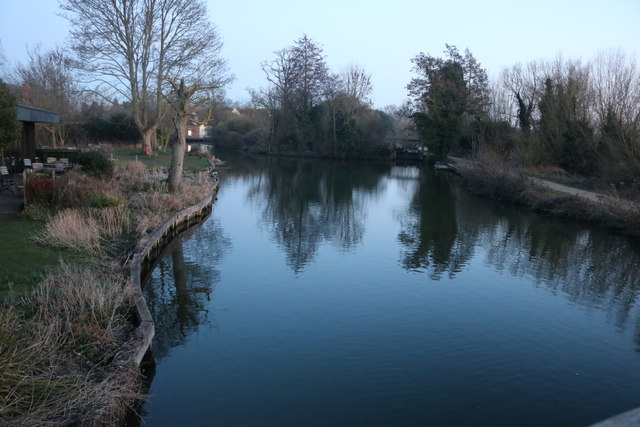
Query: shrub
pixel 77 190
pixel 132 176
pixel 102 200
pixel 39 190
pixel 95 163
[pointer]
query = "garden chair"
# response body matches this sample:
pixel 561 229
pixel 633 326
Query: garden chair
pixel 36 165
pixel 27 163
pixel 51 160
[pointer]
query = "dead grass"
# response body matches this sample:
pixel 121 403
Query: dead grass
pixel 72 229
pixel 59 352
pixel 152 208
pixel 62 359
pixel 84 229
pixel 111 221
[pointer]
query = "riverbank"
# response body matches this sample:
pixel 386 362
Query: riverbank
pixel 543 195
pixel 69 349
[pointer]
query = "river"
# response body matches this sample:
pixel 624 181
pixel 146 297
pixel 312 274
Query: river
pixel 333 293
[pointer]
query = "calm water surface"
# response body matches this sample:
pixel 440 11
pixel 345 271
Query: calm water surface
pixel 328 293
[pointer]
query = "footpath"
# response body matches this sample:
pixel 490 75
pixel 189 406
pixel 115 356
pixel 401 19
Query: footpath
pixel 561 188
pixel 10 205
pixel 584 194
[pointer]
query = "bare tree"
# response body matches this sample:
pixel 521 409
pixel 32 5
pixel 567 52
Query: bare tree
pixel 333 93
pixel 185 98
pixel 616 89
pixel 298 75
pixel 51 85
pixel 130 47
pixel 357 83
pixel 267 99
pixel 526 84
pixel 3 62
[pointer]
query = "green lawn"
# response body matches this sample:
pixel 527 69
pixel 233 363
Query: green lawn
pixel 23 262
pixel 192 161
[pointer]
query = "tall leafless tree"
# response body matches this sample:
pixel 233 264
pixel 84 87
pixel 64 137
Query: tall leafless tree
pixel 357 83
pixel 616 91
pixel 298 77
pixel 51 85
pixel 130 47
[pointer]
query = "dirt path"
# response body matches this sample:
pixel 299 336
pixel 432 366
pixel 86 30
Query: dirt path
pixel 561 188
pixel 589 195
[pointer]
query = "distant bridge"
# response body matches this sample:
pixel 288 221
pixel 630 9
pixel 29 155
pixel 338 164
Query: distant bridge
pixel 404 141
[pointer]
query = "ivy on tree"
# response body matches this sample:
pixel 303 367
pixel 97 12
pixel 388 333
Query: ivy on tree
pixel 9 124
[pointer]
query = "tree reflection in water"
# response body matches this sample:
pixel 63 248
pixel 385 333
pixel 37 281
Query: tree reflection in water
pixel 429 232
pixel 307 202
pixel 443 228
pixel 180 287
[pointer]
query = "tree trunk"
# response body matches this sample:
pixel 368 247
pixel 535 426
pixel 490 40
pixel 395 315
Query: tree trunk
pixel 149 140
pixel 52 135
pixel 177 154
pixel 154 139
pixel 335 133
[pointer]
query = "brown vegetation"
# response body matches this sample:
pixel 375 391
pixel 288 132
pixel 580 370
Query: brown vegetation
pixel 60 352
pixel 514 186
pixel 62 359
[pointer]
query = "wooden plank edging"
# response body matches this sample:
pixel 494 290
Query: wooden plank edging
pixel 144 333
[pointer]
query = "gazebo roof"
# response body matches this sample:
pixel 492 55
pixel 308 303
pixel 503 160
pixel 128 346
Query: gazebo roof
pixel 36 115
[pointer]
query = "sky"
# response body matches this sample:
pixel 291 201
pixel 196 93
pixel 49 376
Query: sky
pixel 381 36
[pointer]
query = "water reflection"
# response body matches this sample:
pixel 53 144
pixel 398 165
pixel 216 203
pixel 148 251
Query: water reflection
pixel 183 286
pixel 442 228
pixel 429 235
pixel 304 203
pixel 524 309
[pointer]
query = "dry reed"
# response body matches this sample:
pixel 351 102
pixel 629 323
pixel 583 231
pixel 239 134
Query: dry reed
pixel 62 364
pixel 84 228
pixel 72 229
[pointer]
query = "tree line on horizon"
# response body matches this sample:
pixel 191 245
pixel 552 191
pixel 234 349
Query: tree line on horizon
pixel 581 117
pixel 313 110
pixel 146 82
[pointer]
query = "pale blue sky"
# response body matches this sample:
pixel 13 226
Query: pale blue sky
pixel 381 36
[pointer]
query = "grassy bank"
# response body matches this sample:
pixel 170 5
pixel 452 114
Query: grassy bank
pixel 514 186
pixel 159 159
pixel 63 357
pixel 24 262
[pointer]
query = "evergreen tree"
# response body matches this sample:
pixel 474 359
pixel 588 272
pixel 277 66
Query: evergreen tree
pixel 9 124
pixel 448 93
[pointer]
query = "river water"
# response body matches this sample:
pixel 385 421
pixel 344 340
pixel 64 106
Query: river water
pixel 332 293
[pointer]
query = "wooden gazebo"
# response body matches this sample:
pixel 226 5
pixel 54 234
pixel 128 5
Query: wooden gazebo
pixel 29 116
